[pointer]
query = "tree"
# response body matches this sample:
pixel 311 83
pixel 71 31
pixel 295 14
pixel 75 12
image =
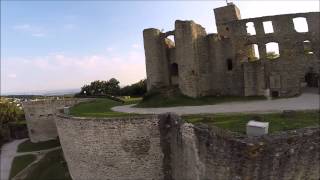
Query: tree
pixel 100 88
pixel 136 89
pixel 9 112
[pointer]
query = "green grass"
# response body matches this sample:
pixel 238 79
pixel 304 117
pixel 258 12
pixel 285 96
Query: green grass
pixel 21 162
pixel 158 100
pixel 277 122
pixel 28 146
pixel 51 167
pixel 100 108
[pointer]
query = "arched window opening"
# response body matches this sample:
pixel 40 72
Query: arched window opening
pixel 300 24
pixel 272 50
pixel 171 37
pixel 229 64
pixel 307 47
pixel 267 27
pixel 250 28
pixel 174 69
pixel 254 53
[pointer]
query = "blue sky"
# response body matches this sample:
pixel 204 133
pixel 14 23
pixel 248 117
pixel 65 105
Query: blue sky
pixel 64 44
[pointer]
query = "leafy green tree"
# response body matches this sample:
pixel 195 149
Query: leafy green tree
pixel 272 55
pixel 136 89
pixel 99 88
pixel 9 112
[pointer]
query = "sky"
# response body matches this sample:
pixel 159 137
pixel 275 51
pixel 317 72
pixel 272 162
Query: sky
pixel 53 45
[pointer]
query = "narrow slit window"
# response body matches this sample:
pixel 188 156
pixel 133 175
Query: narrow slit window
pixel 229 64
pixel 307 47
pixel 250 28
pixel 267 27
pixel 174 69
pixel 300 24
pixel 272 50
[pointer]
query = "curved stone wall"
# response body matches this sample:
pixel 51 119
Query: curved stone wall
pixel 112 148
pixel 40 117
pixel 164 147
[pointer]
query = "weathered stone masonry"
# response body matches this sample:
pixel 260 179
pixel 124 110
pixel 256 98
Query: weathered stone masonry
pixel 164 147
pixel 40 117
pixel 202 64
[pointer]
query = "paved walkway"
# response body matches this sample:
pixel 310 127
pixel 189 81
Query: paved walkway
pixel 8 152
pixel 308 100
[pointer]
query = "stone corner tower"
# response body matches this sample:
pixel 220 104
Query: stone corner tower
pixel 226 14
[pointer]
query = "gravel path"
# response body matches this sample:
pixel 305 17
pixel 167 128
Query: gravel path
pixel 8 152
pixel 308 100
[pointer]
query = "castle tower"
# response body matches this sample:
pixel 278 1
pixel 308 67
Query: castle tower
pixel 156 59
pixel 225 14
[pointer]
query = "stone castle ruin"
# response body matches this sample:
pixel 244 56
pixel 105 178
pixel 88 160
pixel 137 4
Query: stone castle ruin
pixel 234 61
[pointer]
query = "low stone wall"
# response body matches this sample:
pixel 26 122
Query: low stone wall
pixel 165 147
pixel 40 117
pixel 203 152
pixel 112 148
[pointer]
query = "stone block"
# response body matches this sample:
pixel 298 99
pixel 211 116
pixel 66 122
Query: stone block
pixel 256 128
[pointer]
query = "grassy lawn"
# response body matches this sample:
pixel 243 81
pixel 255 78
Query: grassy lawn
pixel 20 162
pixel 100 108
pixel 28 146
pixel 277 122
pixel 51 167
pixel 159 100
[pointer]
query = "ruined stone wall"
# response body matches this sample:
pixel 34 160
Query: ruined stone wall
pixel 112 148
pixel 157 62
pixel 191 55
pixel 203 60
pixel 202 152
pixel 285 73
pixel 40 117
pixel 165 147
pixel 224 81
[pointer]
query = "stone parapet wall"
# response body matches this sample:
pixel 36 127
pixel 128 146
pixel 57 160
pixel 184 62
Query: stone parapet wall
pixel 165 147
pixel 112 148
pixel 40 117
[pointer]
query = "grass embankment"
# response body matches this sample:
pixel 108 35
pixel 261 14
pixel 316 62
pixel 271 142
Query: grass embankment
pixel 28 146
pixel 100 108
pixel 277 121
pixel 21 162
pixel 52 166
pixel 159 100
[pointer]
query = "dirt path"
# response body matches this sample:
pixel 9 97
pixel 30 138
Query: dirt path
pixel 9 152
pixel 308 100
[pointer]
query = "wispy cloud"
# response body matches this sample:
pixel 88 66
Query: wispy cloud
pixel 62 71
pixel 12 75
pixel 69 26
pixel 38 34
pixel 110 49
pixel 34 31
pixel 22 27
pixel 136 46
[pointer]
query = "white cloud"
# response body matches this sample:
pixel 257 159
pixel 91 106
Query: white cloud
pixel 34 31
pixel 109 49
pixel 23 27
pixel 61 71
pixel 38 35
pixel 136 46
pixel 12 75
pixel 69 26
